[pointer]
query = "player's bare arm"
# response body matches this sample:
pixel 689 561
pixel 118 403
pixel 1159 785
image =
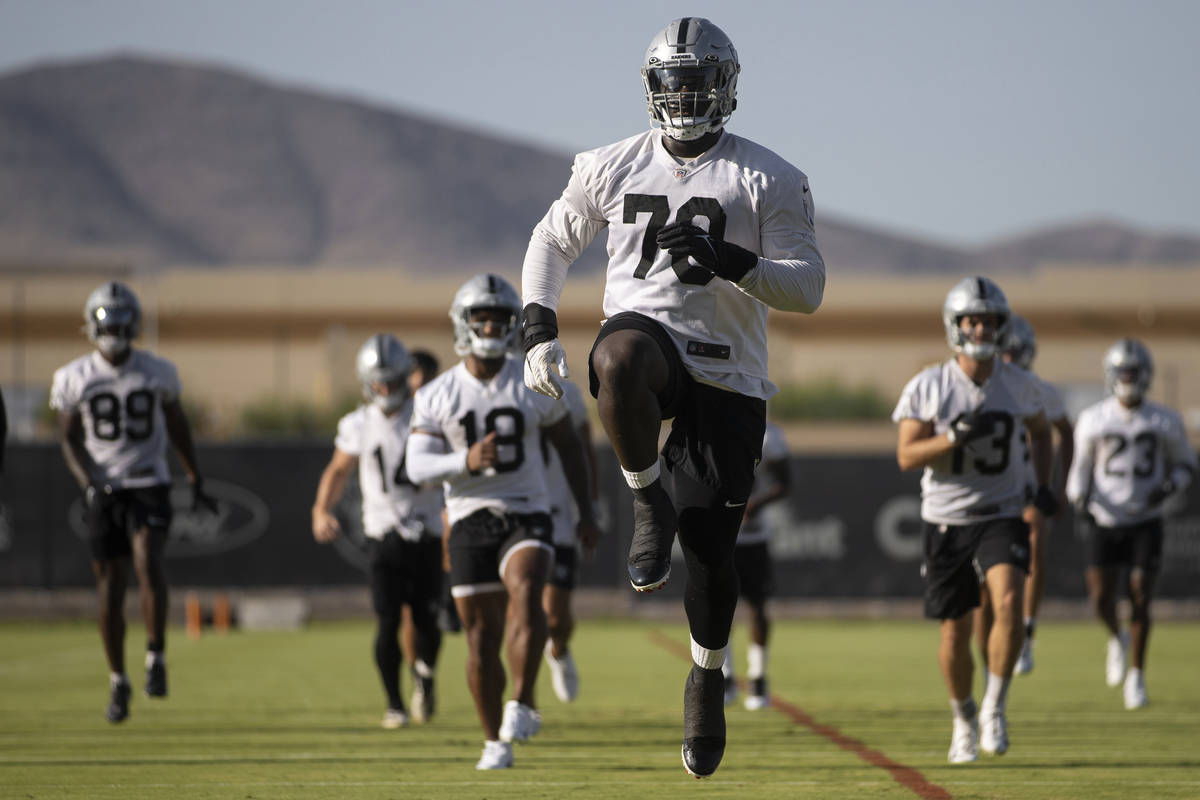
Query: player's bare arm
pixel 180 433
pixel 325 527
pixel 565 440
pixel 918 446
pixel 79 462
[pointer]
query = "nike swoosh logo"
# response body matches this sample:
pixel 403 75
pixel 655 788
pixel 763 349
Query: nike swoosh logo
pixel 734 505
pixel 804 190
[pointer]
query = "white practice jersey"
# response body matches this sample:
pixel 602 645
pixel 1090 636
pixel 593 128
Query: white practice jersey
pixel 125 430
pixel 1052 404
pixel 983 479
pixel 563 510
pixel 461 409
pixel 740 192
pixel 1121 454
pixel 390 501
pixel 775 448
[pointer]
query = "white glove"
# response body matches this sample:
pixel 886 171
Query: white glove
pixel 540 364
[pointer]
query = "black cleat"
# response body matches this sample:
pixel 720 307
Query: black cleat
pixel 118 702
pixel 156 679
pixel 653 535
pixel 703 721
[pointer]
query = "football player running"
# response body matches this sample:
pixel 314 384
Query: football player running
pixel 478 428
pixel 706 230
pixel 400 519
pixel 961 421
pixel 1131 456
pixel 1019 346
pixel 118 407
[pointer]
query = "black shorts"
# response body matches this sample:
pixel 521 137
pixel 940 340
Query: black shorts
pixel 1137 546
pixel 717 435
pixel 404 572
pixel 957 556
pixel 564 570
pixel 481 543
pixel 113 517
pixel 756 580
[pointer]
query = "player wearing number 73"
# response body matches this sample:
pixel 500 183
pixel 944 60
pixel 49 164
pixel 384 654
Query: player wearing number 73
pixel 117 409
pixel 961 420
pixel 706 230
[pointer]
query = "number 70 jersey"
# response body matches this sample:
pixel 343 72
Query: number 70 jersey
pixel 463 409
pixel 122 411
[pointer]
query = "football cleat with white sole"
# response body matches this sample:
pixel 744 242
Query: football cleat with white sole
pixel 1135 690
pixel 993 732
pixel 703 721
pixel 394 718
pixel 757 698
pixel 964 741
pixel 564 676
pixel 156 678
pixel 520 722
pixel 1114 661
pixel 654 525
pixel 496 755
pixel 1024 664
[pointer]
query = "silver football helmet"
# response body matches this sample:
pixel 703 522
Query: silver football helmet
pixel 974 296
pixel 1020 342
pixel 487 291
pixel 383 361
pixel 112 318
pixel 690 76
pixel 1128 370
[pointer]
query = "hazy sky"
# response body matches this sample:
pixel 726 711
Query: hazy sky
pixel 963 121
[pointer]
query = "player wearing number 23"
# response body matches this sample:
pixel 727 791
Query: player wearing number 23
pixel 706 231
pixel 117 408
pixel 961 421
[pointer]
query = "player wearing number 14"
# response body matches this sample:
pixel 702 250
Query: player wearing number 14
pixel 117 409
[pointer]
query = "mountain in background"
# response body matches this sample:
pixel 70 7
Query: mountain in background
pixel 164 163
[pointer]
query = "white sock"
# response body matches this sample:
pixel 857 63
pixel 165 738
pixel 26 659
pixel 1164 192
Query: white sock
pixel 1133 674
pixel 996 693
pixel 115 678
pixel 705 658
pixel 422 669
pixel 963 709
pixel 642 478
pixel 727 664
pixel 756 658
pixel 153 657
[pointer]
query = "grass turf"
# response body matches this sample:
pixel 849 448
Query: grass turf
pixel 862 713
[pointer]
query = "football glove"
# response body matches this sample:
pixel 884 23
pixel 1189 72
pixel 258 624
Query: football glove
pixel 201 499
pixel 723 258
pixel 541 362
pixel 968 426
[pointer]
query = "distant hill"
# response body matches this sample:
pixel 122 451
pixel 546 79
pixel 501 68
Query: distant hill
pixel 169 163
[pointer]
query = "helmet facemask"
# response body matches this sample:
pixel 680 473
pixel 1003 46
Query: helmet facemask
pixel 689 75
pixel 112 319
pixel 975 297
pixel 1128 370
pixel 501 342
pixel 383 365
pixel 486 292
pixel 386 389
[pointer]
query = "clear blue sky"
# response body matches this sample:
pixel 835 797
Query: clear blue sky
pixel 962 121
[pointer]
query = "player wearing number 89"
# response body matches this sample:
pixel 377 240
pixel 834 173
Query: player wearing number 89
pixel 478 428
pixel 1131 456
pixel 117 409
pixel 706 230
pixel 961 421
pixel 400 519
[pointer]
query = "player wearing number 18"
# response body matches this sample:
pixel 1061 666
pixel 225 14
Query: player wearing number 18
pixel 706 231
pixel 117 409
pixel 961 421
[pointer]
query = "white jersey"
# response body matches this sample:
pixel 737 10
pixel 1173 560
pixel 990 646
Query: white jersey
pixel 983 479
pixel 390 501
pixel 563 510
pixel 775 448
pixel 1121 454
pixel 462 409
pixel 125 430
pixel 744 194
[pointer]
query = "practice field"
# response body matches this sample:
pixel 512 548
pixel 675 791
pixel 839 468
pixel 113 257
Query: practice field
pixel 860 712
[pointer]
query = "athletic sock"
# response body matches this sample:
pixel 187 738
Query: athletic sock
pixel 996 693
pixel 964 709
pixel 756 658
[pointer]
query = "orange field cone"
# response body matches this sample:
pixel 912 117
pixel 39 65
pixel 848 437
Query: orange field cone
pixel 195 616
pixel 221 613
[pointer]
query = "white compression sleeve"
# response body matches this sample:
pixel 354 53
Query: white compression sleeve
pixel 426 461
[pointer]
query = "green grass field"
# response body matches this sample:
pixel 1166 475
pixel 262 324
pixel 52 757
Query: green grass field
pixel 862 714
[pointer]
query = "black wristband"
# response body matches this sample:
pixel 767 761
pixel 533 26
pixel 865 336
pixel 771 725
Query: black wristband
pixel 737 262
pixel 1045 501
pixel 538 324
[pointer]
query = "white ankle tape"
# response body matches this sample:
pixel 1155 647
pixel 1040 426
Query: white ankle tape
pixel 642 479
pixel 707 659
pixel 422 669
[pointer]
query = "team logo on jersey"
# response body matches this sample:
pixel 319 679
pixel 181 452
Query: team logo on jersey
pixel 679 174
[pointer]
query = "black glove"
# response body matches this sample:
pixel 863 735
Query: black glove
pixel 1045 501
pixel 968 426
pixel 1160 493
pixel 538 324
pixel 720 257
pixel 202 500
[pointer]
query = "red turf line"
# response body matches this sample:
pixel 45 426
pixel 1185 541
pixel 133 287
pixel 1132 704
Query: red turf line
pixel 907 777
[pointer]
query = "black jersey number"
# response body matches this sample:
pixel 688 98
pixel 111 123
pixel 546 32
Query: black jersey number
pixel 1145 447
pixel 399 477
pixel 659 209
pixel 996 448
pixel 508 424
pixel 108 422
